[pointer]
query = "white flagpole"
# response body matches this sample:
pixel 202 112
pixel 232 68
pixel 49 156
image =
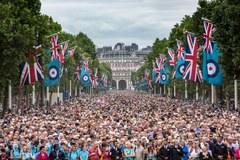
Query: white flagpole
pixel 186 94
pixel 154 89
pixel 70 90
pixel 174 89
pixel 33 94
pixel 10 95
pixel 48 94
pixel 235 94
pixel 197 92
pixel 169 91
pixel 212 93
pixel 75 90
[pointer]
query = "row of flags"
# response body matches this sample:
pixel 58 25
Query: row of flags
pixel 185 64
pixel 30 73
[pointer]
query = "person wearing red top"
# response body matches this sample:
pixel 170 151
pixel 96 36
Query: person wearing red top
pixel 105 152
pixel 42 155
pixel 237 153
pixel 94 152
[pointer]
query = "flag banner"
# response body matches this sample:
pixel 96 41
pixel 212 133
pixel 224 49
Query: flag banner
pixel 72 51
pixel 192 72
pixel 61 71
pixel 100 83
pixel 164 79
pixel 179 68
pixel 64 47
pixel 104 80
pixel 95 79
pixel 31 73
pixel 172 58
pixel 55 47
pixel 208 32
pixel 77 74
pixel 147 77
pixel 212 72
pixel 180 50
pixel 85 78
pixel 53 74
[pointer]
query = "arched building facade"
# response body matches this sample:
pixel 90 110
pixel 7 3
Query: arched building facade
pixel 122 64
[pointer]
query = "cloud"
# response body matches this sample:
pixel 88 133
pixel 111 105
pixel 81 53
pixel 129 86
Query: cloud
pixel 107 22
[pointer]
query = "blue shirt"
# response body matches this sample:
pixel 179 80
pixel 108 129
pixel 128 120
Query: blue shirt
pixel 84 155
pixel 73 155
pixel 185 153
pixel 26 155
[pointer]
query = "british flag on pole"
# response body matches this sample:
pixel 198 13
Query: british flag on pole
pixel 31 73
pixel 208 32
pixel 95 79
pixel 72 51
pixel 172 58
pixel 192 71
pixel 55 47
pixel 64 47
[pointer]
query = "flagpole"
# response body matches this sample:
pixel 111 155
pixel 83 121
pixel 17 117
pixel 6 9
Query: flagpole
pixel 186 94
pixel 76 90
pixel 174 90
pixel 160 90
pixel 154 89
pixel 10 96
pixel 212 94
pixel 169 91
pixel 70 90
pixel 235 94
pixel 197 92
pixel 33 94
pixel 48 96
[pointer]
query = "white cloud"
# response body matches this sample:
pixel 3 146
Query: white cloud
pixel 109 21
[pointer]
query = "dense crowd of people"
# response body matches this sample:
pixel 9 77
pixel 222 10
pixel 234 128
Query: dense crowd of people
pixel 121 126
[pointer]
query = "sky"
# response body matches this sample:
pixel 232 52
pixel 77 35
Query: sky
pixel 107 22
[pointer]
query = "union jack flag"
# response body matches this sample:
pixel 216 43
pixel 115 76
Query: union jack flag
pixel 85 62
pixel 64 47
pixel 161 61
pixel 208 29
pixel 95 79
pixel 180 50
pixel 55 47
pixel 104 80
pixel 147 77
pixel 77 74
pixel 172 58
pixel 192 72
pixel 61 71
pixel 72 51
pixel 156 68
pixel 31 73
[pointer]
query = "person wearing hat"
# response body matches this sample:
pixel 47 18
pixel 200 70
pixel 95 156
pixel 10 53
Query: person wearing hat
pixel 56 153
pixel 220 149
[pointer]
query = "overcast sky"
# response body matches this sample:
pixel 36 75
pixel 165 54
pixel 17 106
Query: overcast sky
pixel 107 22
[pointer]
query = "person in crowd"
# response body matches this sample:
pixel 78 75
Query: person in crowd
pixel 220 150
pixel 176 151
pixel 237 153
pixel 115 151
pixel 84 153
pixel 138 150
pixel 42 155
pixel 16 152
pixel 95 151
pixel 129 153
pixel 56 153
pixel 164 152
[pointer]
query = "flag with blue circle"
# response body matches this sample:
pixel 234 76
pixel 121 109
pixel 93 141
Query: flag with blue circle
pixel 85 78
pixel 53 74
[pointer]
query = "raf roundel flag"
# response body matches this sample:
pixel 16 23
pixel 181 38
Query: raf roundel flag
pixel 211 69
pixel 85 78
pixel 164 79
pixel 53 74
